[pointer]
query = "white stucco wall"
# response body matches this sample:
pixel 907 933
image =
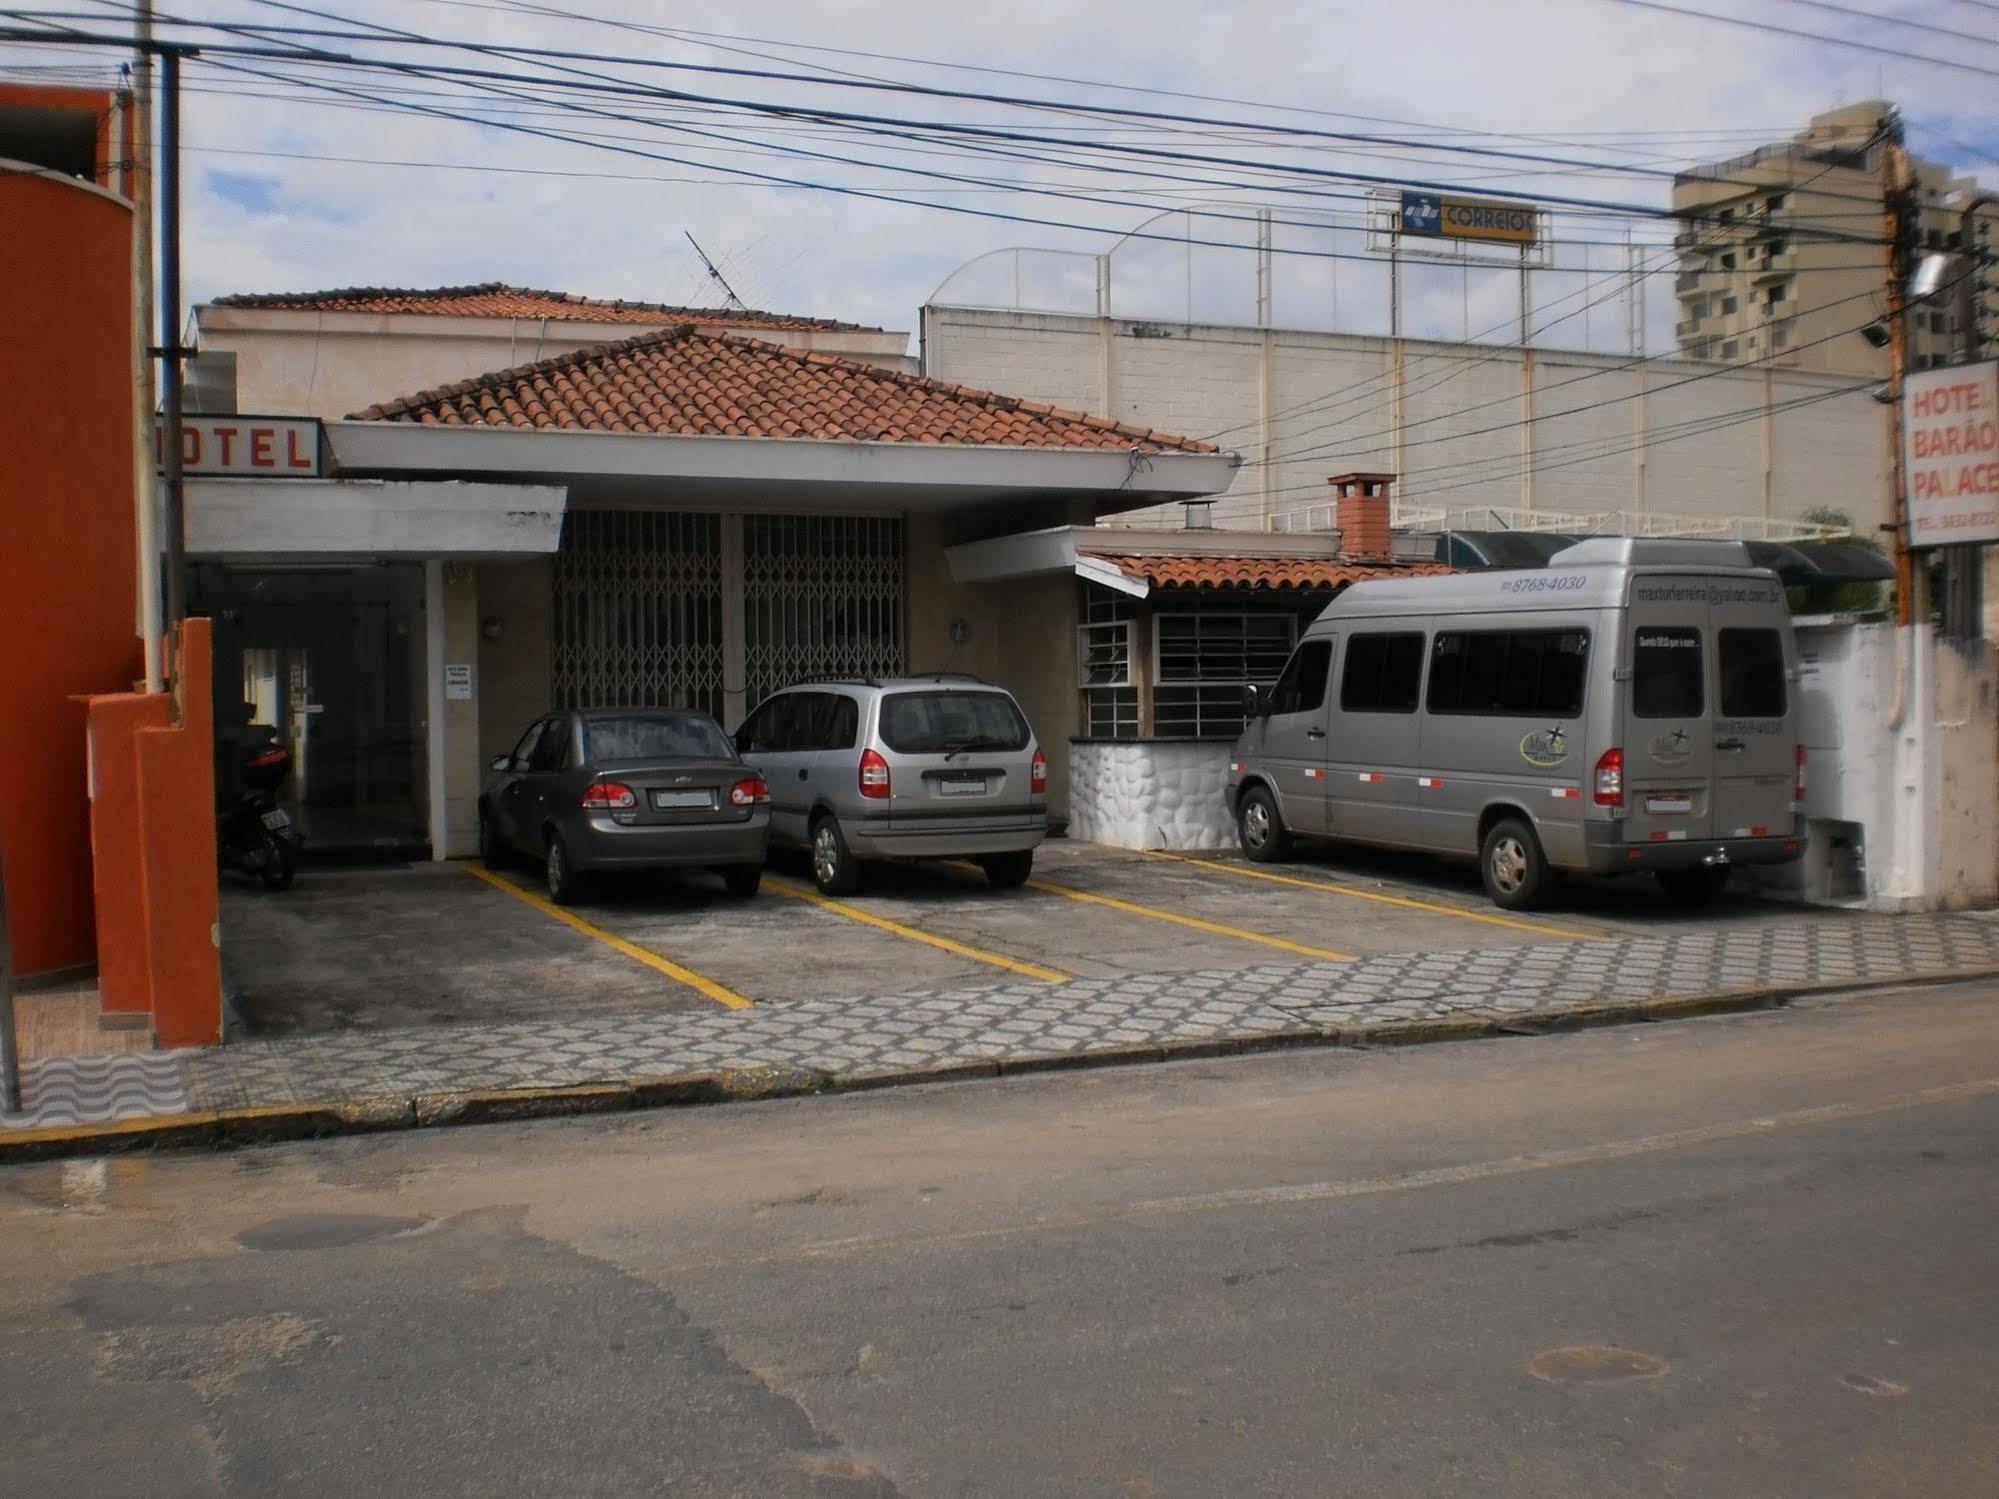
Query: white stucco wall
pixel 1158 793
pixel 1921 788
pixel 1603 435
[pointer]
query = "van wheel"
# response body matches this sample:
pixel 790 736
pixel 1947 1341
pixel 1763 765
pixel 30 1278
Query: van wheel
pixel 1515 871
pixel 1694 887
pixel 835 870
pixel 1259 828
pixel 1008 871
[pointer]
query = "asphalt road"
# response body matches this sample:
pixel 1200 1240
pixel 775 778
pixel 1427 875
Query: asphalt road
pixel 1737 1256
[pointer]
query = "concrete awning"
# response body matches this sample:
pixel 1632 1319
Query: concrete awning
pixel 370 519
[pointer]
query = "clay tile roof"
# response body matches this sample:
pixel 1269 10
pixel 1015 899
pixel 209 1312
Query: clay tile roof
pixel 1259 572
pixel 496 299
pixel 681 381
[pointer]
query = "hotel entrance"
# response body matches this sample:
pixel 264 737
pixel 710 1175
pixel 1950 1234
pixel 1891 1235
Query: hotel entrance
pixel 326 660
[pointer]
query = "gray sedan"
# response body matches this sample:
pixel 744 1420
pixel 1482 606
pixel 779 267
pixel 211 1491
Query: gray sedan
pixel 625 788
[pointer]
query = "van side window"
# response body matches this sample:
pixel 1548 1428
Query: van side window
pixel 1384 674
pixel 1666 672
pixel 1302 687
pixel 1752 673
pixel 1509 673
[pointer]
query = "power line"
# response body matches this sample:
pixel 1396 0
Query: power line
pixel 1814 36
pixel 1903 21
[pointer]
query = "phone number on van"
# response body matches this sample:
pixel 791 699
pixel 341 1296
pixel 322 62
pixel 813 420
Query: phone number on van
pixel 1544 583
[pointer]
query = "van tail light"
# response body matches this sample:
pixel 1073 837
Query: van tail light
pixel 1610 778
pixel 1037 775
pixel 609 796
pixel 874 776
pixel 754 792
pixel 1798 786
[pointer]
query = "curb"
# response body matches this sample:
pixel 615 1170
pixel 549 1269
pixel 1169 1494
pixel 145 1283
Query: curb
pixel 273 1124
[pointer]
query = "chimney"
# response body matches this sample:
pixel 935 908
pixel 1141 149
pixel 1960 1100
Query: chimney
pixel 1363 514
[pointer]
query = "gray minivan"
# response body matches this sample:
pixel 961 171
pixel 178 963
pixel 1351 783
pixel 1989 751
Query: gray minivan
pixel 1629 708
pixel 943 766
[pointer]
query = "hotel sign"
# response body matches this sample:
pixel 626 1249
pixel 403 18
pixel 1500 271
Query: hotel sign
pixel 1950 451
pixel 245 447
pixel 1436 216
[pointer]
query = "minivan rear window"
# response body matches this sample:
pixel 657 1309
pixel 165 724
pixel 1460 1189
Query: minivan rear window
pixel 936 723
pixel 1752 673
pixel 1666 672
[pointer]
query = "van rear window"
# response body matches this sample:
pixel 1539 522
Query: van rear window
pixel 1666 672
pixel 1752 673
pixel 1509 673
pixel 938 723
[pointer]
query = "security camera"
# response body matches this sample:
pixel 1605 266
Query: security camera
pixel 1876 333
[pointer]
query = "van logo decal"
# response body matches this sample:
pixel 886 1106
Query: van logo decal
pixel 1545 748
pixel 1669 749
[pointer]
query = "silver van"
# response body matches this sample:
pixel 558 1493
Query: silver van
pixel 1629 708
pixel 931 767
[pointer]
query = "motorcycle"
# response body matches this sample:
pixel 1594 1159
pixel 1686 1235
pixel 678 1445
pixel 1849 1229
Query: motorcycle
pixel 253 833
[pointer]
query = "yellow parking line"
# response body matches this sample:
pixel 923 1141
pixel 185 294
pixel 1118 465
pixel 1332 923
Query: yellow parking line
pixel 1217 928
pixel 882 923
pixel 695 981
pixel 1540 927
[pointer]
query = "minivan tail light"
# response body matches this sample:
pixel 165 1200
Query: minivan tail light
pixel 1037 775
pixel 609 796
pixel 1610 778
pixel 1798 787
pixel 753 792
pixel 874 776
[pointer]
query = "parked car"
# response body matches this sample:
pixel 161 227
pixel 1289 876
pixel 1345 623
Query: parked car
pixel 1626 709
pixel 625 788
pixel 931 767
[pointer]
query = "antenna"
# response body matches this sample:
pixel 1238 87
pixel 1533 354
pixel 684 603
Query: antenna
pixel 729 291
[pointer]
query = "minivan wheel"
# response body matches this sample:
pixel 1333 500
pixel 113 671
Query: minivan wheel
pixel 1515 871
pixel 1008 871
pixel 1694 887
pixel 1259 829
pixel 558 874
pixel 835 870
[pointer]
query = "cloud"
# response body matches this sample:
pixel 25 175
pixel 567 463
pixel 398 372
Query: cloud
pixel 291 187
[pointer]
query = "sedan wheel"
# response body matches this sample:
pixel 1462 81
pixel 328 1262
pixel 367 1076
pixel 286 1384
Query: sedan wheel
pixel 558 875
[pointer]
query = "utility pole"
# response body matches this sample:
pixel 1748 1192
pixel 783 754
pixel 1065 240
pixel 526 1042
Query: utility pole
pixel 145 492
pixel 171 351
pixel 1896 224
pixel 1964 566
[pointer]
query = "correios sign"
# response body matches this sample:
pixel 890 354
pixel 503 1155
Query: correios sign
pixel 1437 216
pixel 245 447
pixel 1950 454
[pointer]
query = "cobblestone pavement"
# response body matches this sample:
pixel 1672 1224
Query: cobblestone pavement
pixel 853 1041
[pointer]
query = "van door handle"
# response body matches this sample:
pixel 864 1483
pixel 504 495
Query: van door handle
pixel 1729 744
pixel 1315 733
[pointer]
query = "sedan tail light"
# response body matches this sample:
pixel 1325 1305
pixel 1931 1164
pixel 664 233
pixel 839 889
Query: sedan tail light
pixel 609 796
pixel 750 793
pixel 1798 786
pixel 874 776
pixel 1610 778
pixel 1037 775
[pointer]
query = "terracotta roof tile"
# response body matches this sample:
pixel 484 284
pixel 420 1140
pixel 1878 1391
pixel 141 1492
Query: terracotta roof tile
pixel 1258 572
pixel 680 381
pixel 496 299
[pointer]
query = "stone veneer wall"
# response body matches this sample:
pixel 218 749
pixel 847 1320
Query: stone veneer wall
pixel 1150 793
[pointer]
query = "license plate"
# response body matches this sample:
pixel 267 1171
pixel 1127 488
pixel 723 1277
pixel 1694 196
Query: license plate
pixel 963 786
pixel 1669 804
pixel 677 801
pixel 277 822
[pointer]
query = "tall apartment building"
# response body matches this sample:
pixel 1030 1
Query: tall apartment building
pixel 1780 253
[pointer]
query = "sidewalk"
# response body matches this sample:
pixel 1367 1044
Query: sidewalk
pixel 439 1074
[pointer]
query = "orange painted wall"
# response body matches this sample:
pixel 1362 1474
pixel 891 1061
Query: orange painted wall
pixel 67 547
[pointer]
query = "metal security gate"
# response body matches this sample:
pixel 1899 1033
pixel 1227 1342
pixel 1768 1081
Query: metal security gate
pixel 638 611
pixel 822 597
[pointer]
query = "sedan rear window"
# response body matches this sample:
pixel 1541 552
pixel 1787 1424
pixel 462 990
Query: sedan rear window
pixel 937 723
pixel 655 736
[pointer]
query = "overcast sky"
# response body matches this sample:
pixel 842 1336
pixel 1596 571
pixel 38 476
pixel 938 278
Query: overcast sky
pixel 268 210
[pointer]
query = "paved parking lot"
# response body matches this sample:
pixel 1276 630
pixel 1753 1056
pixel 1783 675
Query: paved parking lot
pixel 449 945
